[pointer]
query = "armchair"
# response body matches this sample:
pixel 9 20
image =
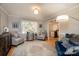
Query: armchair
pixel 16 39
pixel 41 36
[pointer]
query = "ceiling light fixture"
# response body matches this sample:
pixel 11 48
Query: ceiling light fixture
pixel 62 18
pixel 36 11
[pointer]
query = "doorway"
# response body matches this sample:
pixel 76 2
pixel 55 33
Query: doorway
pixel 53 29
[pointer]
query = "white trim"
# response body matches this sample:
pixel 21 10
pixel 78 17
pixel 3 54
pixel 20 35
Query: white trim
pixel 48 29
pixel 14 16
pixel 3 10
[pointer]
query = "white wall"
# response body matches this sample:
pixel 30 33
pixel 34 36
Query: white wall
pixel 12 19
pixel 3 20
pixel 44 25
pixel 72 26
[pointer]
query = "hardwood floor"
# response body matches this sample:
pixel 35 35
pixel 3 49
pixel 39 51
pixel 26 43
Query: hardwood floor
pixel 51 42
pixel 10 51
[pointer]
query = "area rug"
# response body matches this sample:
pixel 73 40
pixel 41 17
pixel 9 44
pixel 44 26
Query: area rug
pixel 34 48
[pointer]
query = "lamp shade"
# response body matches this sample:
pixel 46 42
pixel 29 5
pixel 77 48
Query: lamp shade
pixel 6 29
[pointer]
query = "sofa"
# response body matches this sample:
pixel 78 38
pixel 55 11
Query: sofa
pixel 61 50
pixel 17 38
pixel 72 41
pixel 17 41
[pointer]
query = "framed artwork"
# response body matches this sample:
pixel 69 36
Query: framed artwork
pixel 40 25
pixel 15 25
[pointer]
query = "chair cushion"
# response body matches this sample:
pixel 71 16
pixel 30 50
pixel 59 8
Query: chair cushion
pixel 41 36
pixel 60 48
pixel 72 50
pixel 66 43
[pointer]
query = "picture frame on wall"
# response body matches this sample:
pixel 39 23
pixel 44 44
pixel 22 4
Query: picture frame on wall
pixel 15 25
pixel 40 25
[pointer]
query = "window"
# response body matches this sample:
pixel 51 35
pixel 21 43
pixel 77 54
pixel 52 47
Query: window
pixel 29 26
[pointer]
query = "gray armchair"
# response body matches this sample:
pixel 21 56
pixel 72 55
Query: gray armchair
pixel 17 39
pixel 41 36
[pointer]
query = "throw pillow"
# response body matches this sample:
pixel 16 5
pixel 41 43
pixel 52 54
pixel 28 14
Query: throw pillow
pixel 72 50
pixel 66 43
pixel 75 39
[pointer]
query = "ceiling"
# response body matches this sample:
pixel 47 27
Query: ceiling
pixel 46 10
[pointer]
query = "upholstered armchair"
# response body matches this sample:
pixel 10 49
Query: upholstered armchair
pixel 17 39
pixel 41 36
